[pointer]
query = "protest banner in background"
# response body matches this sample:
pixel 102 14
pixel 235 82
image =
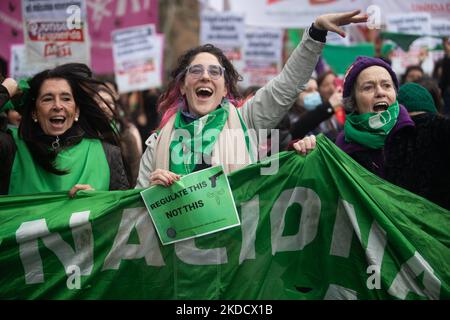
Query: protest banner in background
pixel 138 54
pixel 106 16
pixel 103 17
pixel 262 57
pixel 225 30
pixel 301 13
pixel 198 204
pixel 440 27
pixel 409 23
pixel 322 227
pixel 290 13
pixel 19 67
pixel 55 32
pixel 438 9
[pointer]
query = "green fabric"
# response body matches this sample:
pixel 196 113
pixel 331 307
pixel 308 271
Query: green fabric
pixel 340 57
pixel 294 36
pixel 404 40
pixel 416 98
pixel 371 129
pixel 198 139
pixel 322 226
pixel 85 161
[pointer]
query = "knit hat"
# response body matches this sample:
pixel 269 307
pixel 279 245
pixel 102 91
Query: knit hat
pixel 416 98
pixel 359 65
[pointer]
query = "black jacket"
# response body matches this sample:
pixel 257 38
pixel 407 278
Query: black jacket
pixel 420 161
pixel 416 158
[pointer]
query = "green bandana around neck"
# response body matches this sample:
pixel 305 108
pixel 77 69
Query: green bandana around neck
pixel 195 140
pixel 371 129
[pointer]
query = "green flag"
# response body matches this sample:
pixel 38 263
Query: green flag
pixel 320 227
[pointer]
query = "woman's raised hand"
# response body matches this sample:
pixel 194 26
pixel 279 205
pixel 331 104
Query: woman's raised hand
pixel 11 85
pixel 332 21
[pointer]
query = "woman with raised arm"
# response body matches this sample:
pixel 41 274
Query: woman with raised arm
pixel 201 125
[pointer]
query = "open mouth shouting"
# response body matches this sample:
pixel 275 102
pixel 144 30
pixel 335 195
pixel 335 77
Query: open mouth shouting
pixel 204 93
pixel 57 122
pixel 380 106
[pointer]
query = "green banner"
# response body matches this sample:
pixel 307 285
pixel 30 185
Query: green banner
pixel 322 227
pixel 198 204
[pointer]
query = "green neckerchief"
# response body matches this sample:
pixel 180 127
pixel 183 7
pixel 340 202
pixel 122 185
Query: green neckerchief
pixel 194 140
pixel 371 129
pixel 85 161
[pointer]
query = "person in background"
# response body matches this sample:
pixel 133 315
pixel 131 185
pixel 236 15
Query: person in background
pixel 416 99
pixel 130 139
pixel 412 74
pixel 329 89
pixel 381 136
pixel 316 112
pixel 200 102
pixel 64 141
pixel 146 118
pixel 433 88
pixel 326 84
pixel 299 107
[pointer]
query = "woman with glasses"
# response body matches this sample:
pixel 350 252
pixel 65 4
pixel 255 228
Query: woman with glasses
pixel 201 126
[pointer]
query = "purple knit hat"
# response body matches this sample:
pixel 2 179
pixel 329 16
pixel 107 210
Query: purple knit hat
pixel 359 65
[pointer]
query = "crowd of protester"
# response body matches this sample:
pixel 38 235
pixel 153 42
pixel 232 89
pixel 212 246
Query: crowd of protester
pixel 129 136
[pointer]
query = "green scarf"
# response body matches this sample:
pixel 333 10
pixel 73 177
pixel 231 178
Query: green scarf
pixel 195 140
pixel 371 129
pixel 85 161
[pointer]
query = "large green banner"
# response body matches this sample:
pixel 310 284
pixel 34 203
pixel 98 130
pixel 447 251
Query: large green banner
pixel 317 227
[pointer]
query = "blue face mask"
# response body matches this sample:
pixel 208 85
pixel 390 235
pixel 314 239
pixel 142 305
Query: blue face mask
pixel 312 100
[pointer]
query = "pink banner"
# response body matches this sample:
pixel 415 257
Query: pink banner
pixel 104 16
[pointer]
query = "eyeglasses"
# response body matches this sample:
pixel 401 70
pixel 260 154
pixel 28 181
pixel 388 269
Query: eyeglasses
pixel 197 70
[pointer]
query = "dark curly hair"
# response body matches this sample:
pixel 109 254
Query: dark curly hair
pixel 92 122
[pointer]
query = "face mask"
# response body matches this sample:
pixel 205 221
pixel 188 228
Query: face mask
pixel 312 100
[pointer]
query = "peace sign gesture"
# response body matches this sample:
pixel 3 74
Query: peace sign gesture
pixel 332 21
